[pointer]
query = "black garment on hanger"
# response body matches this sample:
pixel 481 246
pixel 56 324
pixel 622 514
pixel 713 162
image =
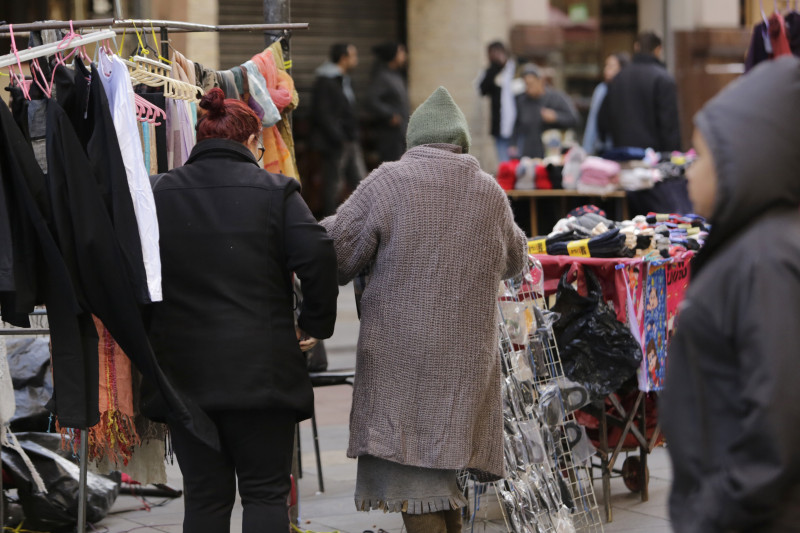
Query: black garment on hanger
pixel 101 271
pixel 158 100
pixel 19 110
pixel 71 90
pixel 88 110
pixel 6 248
pixel 72 332
pixel 19 303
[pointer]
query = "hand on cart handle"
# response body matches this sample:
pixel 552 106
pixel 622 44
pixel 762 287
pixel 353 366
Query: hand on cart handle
pixel 306 342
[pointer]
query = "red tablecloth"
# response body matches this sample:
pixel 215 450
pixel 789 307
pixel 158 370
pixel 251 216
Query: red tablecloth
pixel 612 279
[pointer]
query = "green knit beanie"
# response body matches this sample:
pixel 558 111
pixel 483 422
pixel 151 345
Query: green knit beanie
pixel 438 121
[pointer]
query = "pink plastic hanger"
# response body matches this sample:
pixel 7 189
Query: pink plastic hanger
pixel 148 112
pixel 18 79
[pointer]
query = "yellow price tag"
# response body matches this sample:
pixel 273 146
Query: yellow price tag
pixel 539 246
pixel 579 248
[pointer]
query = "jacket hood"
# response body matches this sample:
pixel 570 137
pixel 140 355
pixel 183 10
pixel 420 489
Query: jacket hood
pixel 753 129
pixel 438 120
pixel 329 70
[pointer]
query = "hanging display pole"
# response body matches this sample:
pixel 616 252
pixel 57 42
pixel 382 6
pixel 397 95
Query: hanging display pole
pixel 164 42
pixel 2 495
pixel 84 463
pixel 170 25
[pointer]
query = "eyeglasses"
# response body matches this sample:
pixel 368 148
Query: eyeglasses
pixel 261 150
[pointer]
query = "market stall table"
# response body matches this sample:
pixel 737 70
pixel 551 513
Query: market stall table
pixel 627 419
pixel 533 197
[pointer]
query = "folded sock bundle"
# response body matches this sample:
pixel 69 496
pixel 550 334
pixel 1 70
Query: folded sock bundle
pixel 609 244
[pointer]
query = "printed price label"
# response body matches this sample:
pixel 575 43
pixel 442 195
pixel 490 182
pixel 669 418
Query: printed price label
pixel 539 246
pixel 579 248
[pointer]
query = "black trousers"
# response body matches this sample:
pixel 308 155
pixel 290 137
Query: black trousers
pixel 340 167
pixel 257 451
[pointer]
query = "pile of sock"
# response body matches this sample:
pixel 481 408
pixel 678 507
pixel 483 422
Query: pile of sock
pixel 590 234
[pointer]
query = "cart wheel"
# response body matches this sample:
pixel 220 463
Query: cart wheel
pixel 630 473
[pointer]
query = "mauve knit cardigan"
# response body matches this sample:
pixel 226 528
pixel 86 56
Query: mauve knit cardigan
pixel 439 235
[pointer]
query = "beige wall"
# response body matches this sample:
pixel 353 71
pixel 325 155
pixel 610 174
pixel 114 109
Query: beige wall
pixel 200 47
pixel 447 46
pixel 694 14
pixel 529 11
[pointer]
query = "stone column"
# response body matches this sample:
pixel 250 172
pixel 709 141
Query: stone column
pixel 447 46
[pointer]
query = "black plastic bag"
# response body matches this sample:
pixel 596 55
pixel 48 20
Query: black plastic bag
pixel 57 510
pixel 29 365
pixel 597 350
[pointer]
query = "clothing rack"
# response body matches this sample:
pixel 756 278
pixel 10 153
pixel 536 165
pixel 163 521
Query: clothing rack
pixel 120 26
pixel 164 27
pixel 169 25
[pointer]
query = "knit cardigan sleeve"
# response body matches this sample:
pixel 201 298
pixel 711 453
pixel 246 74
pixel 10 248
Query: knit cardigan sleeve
pixel 515 240
pixel 355 229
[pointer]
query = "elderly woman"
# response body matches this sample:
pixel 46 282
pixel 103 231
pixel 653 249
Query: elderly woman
pixel 232 234
pixel 438 236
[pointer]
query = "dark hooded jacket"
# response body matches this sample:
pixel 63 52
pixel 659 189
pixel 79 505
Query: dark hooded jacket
pixel 731 404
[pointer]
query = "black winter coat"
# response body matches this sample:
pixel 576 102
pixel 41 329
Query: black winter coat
pixel 332 114
pixel 731 404
pixel 641 107
pixel 231 236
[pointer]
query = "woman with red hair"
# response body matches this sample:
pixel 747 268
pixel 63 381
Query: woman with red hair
pixel 232 235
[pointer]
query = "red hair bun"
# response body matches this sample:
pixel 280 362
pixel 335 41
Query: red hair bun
pixel 214 102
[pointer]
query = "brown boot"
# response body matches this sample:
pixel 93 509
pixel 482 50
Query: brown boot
pixel 426 523
pixel 452 520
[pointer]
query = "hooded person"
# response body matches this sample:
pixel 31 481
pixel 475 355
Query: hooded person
pixel 438 236
pixel 731 405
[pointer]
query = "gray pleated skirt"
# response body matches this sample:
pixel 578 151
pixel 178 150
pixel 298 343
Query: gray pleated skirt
pixel 392 488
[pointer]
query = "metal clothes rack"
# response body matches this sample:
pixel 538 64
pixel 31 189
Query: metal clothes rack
pixel 164 27
pixel 119 26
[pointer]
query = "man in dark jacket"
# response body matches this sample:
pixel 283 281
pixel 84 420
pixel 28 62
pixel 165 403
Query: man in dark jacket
pixel 641 107
pixel 731 404
pixel 336 124
pixel 388 100
pixel 496 84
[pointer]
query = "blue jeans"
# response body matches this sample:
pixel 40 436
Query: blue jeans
pixel 502 144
